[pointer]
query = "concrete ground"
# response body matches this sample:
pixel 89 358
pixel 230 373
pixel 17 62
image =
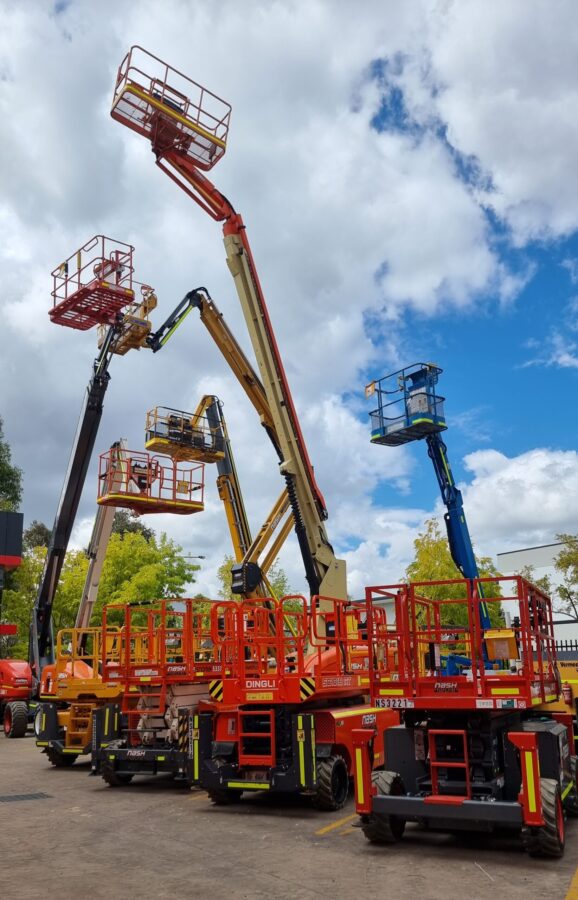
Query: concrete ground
pixel 154 840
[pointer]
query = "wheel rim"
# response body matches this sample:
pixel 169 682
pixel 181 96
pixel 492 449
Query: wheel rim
pixel 339 783
pixel 560 819
pixel 7 720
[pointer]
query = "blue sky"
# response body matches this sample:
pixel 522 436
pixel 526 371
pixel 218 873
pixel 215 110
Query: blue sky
pixel 502 384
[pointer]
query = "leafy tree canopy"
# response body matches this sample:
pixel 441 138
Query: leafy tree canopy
pixel 135 569
pixel 36 535
pixel 125 523
pixel 433 562
pixel 10 476
pixel 566 564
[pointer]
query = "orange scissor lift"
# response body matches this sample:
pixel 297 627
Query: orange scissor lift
pixel 288 700
pixel 480 749
pixel 163 662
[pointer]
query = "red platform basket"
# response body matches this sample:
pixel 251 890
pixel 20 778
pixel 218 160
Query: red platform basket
pixel 173 111
pixel 93 285
pixel 150 483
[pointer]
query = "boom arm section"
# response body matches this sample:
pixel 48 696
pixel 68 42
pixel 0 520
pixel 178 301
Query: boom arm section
pixel 223 337
pixel 459 539
pixel 41 647
pixel 97 548
pixel 324 572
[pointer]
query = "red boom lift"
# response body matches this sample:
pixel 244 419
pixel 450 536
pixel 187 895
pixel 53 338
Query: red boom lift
pixel 187 127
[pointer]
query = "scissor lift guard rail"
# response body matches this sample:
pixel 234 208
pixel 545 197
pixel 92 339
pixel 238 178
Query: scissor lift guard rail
pixel 479 749
pixel 162 661
pixel 288 700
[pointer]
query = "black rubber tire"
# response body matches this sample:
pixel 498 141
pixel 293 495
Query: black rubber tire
pixel 36 722
pixel 224 796
pixel 115 779
pixel 60 760
pixel 332 783
pixel 549 839
pixel 15 719
pixel 380 829
pixel 571 801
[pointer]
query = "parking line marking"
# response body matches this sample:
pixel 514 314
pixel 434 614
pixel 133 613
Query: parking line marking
pixel 337 824
pixel 573 889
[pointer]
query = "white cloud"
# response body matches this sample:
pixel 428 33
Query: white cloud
pixel 520 501
pixel 345 222
pixel 504 87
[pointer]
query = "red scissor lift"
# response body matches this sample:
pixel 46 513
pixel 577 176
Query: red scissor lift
pixel 288 700
pixel 478 749
pixel 162 654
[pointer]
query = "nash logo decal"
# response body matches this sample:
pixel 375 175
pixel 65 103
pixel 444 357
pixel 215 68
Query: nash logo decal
pixel 446 687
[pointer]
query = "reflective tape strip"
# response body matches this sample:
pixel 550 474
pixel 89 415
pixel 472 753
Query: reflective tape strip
pixel 359 789
pixel 505 690
pixel 390 692
pixel 529 764
pixel 196 749
pixel 313 750
pixel 106 717
pixel 358 712
pixel 567 790
pixel 301 753
pixel 249 785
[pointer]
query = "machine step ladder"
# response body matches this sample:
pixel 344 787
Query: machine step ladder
pixel 256 737
pixel 438 762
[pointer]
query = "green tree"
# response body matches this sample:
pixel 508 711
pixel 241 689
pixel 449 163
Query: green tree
pixel 433 562
pixel 544 582
pixel 276 577
pixel 36 535
pixel 18 600
pixel 10 476
pixel 135 569
pixel 125 522
pixel 566 563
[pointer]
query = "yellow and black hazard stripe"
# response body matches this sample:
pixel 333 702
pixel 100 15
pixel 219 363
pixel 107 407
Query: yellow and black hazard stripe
pixel 306 688
pixel 216 689
pixel 183 730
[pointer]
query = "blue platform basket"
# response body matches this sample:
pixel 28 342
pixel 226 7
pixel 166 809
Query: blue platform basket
pixel 409 408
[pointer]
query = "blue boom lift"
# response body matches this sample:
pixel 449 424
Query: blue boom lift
pixel 410 409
